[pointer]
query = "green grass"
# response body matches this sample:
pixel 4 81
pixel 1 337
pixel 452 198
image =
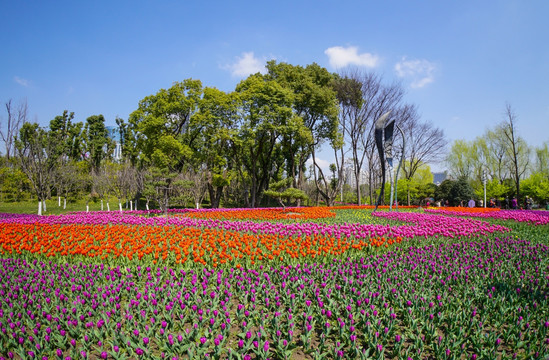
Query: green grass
pixel 53 208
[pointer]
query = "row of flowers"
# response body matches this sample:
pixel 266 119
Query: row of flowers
pixel 535 217
pixel 177 244
pixel 420 225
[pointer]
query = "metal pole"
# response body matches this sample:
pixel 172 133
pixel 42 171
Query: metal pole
pixel 484 181
pixel 399 165
pixel 392 188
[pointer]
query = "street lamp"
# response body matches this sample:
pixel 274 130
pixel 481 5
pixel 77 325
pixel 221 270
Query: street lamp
pixel 484 182
pixel 398 170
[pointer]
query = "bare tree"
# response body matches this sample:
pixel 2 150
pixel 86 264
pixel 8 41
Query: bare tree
pixel 517 150
pixel 100 184
pixel 198 179
pixel 363 99
pixel 328 187
pixel 497 162
pixel 70 178
pixel 121 178
pixel 37 154
pixel 17 116
pixel 425 143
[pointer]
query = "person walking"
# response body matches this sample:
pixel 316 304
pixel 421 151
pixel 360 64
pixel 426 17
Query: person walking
pixel 528 203
pixel 471 203
pixel 514 203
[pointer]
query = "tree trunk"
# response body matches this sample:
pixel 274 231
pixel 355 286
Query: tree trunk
pixel 357 184
pixel 252 192
pixel 215 195
pixel 39 207
pixel 166 202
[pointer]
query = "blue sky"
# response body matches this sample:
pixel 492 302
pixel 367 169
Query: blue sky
pixel 459 62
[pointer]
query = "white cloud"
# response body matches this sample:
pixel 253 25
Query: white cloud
pixel 421 72
pixel 246 65
pixel 21 81
pixel 340 57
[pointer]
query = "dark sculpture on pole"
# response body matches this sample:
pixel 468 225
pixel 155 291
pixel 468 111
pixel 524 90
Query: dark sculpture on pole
pixel 398 170
pixel 384 134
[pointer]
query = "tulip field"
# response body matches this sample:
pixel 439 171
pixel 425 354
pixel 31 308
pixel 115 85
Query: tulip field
pixel 301 283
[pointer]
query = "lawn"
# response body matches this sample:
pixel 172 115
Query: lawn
pixel 305 283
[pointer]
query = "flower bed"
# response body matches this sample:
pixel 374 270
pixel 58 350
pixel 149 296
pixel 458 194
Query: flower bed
pixel 484 299
pixel 126 286
pixel 534 217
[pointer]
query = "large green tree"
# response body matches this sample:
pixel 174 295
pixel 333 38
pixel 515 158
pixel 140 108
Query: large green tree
pixel 314 101
pixel 160 129
pixel 98 145
pixel 266 116
pixel 215 131
pixel 70 152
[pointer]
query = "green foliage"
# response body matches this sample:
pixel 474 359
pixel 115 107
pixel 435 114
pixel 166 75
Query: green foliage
pixel 537 187
pixel 267 117
pixel 161 121
pixel 416 189
pixel 97 143
pixel 160 128
pixel 315 111
pixel 442 192
pixel 14 184
pixel 281 191
pixel 213 130
pixel 461 158
pixel 542 159
pixel 494 189
pixel 461 191
pixel 220 180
